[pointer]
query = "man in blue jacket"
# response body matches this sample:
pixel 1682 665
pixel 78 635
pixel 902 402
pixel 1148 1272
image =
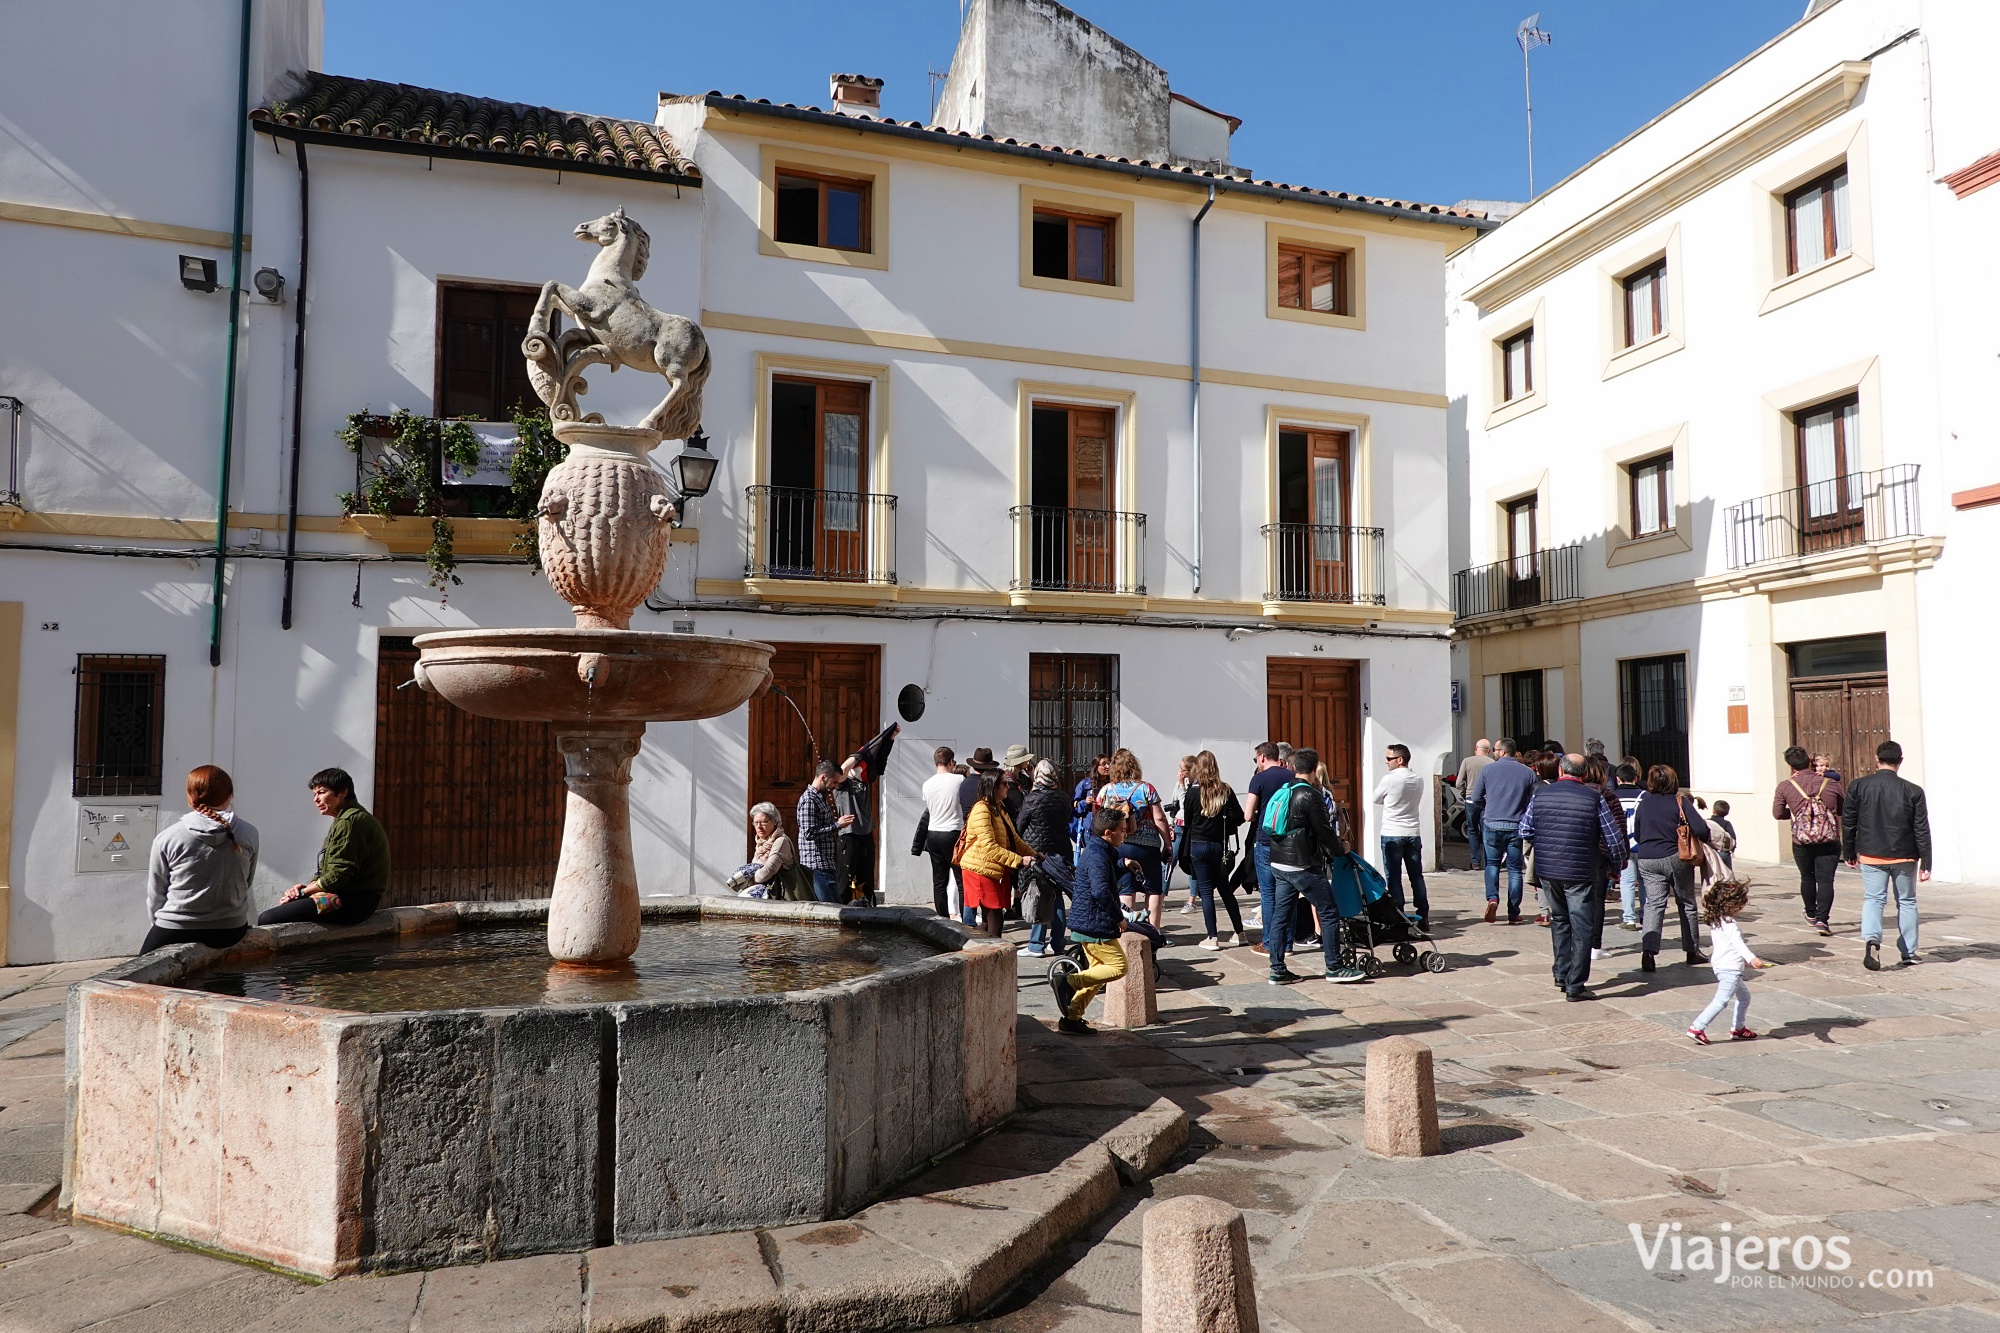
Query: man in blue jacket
pixel 1095 920
pixel 1500 796
pixel 1573 832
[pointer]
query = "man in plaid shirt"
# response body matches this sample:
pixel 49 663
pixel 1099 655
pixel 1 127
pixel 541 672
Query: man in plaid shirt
pixel 819 833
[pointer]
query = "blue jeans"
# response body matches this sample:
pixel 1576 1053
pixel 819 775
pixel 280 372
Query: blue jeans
pixel 1291 885
pixel 1396 854
pixel 1206 858
pixel 1503 844
pixel 1053 937
pixel 1267 905
pixel 1474 840
pixel 1628 890
pixel 1729 988
pixel 1875 882
pixel 826 886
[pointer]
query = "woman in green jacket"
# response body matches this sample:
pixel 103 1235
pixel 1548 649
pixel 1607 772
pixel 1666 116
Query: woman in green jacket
pixel 353 862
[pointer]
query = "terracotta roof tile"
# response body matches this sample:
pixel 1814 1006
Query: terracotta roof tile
pixel 372 109
pixel 1436 211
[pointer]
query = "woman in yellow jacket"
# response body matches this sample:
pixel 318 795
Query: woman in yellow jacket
pixel 994 850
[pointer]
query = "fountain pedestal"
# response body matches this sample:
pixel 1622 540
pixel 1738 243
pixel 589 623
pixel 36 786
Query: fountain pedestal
pixel 594 909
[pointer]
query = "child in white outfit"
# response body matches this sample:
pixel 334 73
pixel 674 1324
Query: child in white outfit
pixel 1728 955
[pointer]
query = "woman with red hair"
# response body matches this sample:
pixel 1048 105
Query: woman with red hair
pixel 200 869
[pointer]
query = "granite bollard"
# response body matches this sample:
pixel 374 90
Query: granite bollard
pixel 1195 1274
pixel 1402 1099
pixel 1129 1002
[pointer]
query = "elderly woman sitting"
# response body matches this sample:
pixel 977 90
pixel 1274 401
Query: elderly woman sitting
pixel 773 853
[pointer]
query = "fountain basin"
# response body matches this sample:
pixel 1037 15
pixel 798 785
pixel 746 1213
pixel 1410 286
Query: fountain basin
pixel 587 676
pixel 331 1142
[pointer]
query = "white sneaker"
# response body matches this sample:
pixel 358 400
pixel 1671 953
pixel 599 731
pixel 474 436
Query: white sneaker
pixel 1235 941
pixel 1186 910
pixel 1597 954
pixel 1210 943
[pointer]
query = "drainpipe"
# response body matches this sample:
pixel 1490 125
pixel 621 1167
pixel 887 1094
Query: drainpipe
pixel 1194 366
pixel 298 381
pixel 235 321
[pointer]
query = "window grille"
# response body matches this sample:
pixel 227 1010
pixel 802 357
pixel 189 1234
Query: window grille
pixel 120 708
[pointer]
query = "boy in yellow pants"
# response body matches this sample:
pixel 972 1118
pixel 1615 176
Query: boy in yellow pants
pixel 1095 920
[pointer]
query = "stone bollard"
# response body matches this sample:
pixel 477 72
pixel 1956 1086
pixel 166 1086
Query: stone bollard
pixel 1195 1274
pixel 1402 1099
pixel 1129 1002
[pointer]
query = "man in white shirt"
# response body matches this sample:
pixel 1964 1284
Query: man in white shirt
pixel 1400 793
pixel 946 819
pixel 1469 770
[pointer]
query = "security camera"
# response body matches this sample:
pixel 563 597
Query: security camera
pixel 270 284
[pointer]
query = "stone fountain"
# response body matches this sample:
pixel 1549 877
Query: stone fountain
pixel 605 522
pixel 426 1089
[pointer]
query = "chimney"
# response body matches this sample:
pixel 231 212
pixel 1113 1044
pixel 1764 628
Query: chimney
pixel 855 94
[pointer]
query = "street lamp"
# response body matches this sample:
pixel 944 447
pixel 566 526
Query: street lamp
pixel 693 469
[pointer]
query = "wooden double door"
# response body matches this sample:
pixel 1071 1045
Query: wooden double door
pixel 473 806
pixel 830 705
pixel 1073 535
pixel 1316 704
pixel 1842 716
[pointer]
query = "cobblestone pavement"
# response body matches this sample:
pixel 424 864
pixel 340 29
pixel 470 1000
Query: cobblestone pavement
pixel 1870 1110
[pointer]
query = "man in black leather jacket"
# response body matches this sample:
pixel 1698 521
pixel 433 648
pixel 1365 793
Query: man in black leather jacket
pixel 1299 858
pixel 1885 829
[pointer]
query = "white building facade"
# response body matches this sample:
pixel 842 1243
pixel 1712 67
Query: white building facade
pixel 1720 427
pixel 968 444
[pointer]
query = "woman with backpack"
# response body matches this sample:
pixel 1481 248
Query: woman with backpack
pixel 1151 835
pixel 1812 801
pixel 1667 833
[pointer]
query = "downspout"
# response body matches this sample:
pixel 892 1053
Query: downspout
pixel 298 381
pixel 235 321
pixel 1194 367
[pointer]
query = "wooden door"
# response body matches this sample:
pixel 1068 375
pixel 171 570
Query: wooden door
pixel 1842 716
pixel 473 806
pixel 819 474
pixel 1830 492
pixel 832 697
pixel 1524 583
pixel 1312 513
pixel 1093 543
pixel 1317 704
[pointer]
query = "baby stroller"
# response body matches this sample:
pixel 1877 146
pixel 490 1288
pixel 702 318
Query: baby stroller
pixel 1369 917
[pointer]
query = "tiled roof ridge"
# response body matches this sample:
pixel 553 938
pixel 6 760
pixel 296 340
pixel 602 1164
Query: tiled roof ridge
pixel 1176 168
pixel 376 109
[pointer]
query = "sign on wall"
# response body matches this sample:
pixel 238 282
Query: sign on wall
pixel 1457 696
pixel 114 839
pixel 498 443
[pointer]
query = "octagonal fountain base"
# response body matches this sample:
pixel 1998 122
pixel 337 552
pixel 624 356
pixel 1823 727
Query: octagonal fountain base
pixel 330 1142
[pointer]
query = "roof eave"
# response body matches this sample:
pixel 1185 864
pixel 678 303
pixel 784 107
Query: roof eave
pixel 1199 179
pixel 413 148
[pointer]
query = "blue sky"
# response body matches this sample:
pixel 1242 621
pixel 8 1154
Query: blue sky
pixel 1419 99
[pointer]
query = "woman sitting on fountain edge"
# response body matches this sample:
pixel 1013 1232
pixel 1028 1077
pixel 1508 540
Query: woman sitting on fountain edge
pixel 353 862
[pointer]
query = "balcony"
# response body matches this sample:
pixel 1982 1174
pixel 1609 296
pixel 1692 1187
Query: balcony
pixel 1518 583
pixel 1858 509
pixel 821 536
pixel 1079 551
pixel 1317 562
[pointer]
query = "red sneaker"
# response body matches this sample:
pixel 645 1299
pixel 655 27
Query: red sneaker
pixel 1492 910
pixel 1742 1034
pixel 1698 1035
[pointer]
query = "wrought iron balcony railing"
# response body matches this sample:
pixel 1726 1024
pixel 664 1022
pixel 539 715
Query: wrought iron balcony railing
pixel 1852 510
pixel 1518 583
pixel 1080 550
pixel 836 536
pixel 1317 562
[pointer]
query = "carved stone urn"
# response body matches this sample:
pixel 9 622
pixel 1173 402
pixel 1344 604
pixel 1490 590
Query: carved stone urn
pixel 606 522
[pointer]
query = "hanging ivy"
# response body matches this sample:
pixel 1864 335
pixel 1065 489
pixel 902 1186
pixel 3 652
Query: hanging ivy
pixel 539 451
pixel 402 479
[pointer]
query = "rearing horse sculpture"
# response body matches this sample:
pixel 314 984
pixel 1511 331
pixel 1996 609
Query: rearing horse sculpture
pixel 616 328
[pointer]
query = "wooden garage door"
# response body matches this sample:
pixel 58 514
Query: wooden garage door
pixel 473 806
pixel 1318 704
pixel 837 690
pixel 1844 716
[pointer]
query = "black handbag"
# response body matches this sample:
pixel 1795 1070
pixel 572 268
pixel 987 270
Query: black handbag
pixel 917 847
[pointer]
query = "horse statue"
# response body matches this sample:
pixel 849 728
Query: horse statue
pixel 615 328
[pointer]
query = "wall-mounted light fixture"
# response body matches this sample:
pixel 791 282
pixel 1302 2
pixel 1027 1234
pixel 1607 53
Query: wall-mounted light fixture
pixel 693 469
pixel 197 274
pixel 270 285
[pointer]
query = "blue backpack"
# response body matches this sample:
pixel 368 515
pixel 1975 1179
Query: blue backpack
pixel 1277 816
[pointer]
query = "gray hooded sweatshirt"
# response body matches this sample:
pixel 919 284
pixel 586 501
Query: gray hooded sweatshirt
pixel 201 869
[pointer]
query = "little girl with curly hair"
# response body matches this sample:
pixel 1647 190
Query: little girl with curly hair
pixel 1728 955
